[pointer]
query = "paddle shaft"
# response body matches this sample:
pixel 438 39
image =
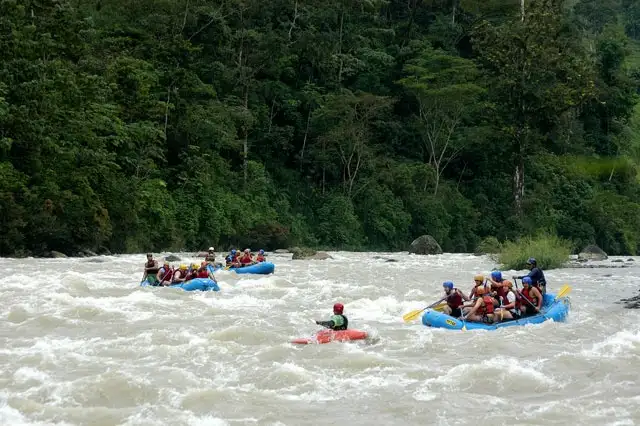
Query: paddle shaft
pixel 528 301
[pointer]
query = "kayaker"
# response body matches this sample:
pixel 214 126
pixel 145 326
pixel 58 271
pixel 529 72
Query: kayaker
pixel 537 276
pixel 483 309
pixel 260 257
pixel 510 304
pixel 532 298
pixel 338 321
pixel 165 274
pixel 179 275
pixel 455 299
pixel 151 270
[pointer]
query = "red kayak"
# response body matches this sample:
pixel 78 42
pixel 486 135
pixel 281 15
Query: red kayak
pixel 326 336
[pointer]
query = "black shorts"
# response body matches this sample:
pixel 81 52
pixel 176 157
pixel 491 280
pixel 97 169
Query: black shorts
pixel 456 313
pixel 529 310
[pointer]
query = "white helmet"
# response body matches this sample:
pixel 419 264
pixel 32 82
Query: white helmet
pixel 211 249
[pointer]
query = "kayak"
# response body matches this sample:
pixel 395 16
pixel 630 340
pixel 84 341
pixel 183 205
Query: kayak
pixel 201 284
pixel 326 336
pixel 262 268
pixel 553 308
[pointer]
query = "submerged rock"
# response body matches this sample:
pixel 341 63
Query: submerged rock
pixel 425 244
pixel 281 251
pixel 308 254
pixel 592 252
pixel 172 258
pixel 56 254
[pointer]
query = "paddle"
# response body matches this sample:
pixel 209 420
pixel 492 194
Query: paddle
pixel 414 314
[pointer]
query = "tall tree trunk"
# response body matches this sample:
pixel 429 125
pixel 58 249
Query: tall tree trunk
pixel 340 50
pixel 245 137
pixel 518 176
pixel 522 10
pixel 304 140
pixel 453 12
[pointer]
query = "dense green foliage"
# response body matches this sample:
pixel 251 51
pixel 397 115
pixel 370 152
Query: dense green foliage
pixel 550 251
pixel 180 124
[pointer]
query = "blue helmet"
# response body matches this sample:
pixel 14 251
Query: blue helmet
pixel 233 251
pixel 261 251
pixel 496 276
pixel 531 261
pixel 448 284
pixel 527 280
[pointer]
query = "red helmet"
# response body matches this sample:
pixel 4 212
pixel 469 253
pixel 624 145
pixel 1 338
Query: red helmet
pixel 338 308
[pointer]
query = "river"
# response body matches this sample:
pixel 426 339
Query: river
pixel 83 344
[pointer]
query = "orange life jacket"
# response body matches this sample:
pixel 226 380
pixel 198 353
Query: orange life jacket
pixel 488 305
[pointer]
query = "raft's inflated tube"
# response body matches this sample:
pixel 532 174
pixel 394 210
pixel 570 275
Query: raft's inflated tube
pixel 262 268
pixel 326 336
pixel 552 308
pixel 201 284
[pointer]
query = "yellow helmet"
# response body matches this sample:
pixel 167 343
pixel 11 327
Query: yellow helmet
pixel 195 266
pixel 183 267
pixel 479 278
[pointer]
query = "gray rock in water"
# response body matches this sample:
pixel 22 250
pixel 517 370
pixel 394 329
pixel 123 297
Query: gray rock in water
pixel 425 244
pixel 308 254
pixel 630 260
pixel 172 258
pixel 592 252
pixel 391 260
pixel 56 254
pixel 281 251
pixel 89 253
pixel 320 256
pixel 617 261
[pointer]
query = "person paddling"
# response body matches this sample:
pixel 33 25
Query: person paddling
pixel 151 270
pixel 537 276
pixel 165 274
pixel 260 257
pixel 179 275
pixel 338 321
pixel 454 298
pixel 532 298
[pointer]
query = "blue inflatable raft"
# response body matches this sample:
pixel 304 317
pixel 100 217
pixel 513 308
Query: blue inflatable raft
pixel 201 284
pixel 552 308
pixel 262 268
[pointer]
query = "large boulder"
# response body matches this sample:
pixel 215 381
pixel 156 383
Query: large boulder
pixel 425 244
pixel 281 251
pixel 172 258
pixel 56 254
pixel 592 252
pixel 308 254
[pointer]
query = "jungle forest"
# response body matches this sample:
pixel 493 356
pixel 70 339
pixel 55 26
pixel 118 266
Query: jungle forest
pixel 148 125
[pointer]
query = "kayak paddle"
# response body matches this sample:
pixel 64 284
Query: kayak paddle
pixel 414 314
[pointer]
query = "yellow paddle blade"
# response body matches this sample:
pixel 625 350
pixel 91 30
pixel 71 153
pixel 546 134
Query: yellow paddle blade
pixel 439 307
pixel 412 315
pixel 564 290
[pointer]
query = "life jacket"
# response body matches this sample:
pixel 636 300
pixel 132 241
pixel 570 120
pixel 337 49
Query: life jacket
pixel 454 300
pixel 344 325
pixel 246 259
pixel 203 274
pixel 488 305
pixel 166 275
pixel 501 291
pixel 210 258
pixel 177 274
pixel 260 258
pixel 530 297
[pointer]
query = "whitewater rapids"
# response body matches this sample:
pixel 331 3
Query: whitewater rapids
pixel 83 344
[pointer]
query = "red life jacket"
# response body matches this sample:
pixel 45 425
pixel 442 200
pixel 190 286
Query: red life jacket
pixel 246 259
pixel 454 300
pixel 260 258
pixel 166 274
pixel 488 305
pixel 203 274
pixel 501 291
pixel 530 297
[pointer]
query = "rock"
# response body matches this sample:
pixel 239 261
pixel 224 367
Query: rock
pixel 172 258
pixel 281 251
pixel 617 261
pixel 56 254
pixel 103 251
pixel 630 260
pixel 89 253
pixel 592 252
pixel 425 244
pixel 308 254
pixel 391 260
